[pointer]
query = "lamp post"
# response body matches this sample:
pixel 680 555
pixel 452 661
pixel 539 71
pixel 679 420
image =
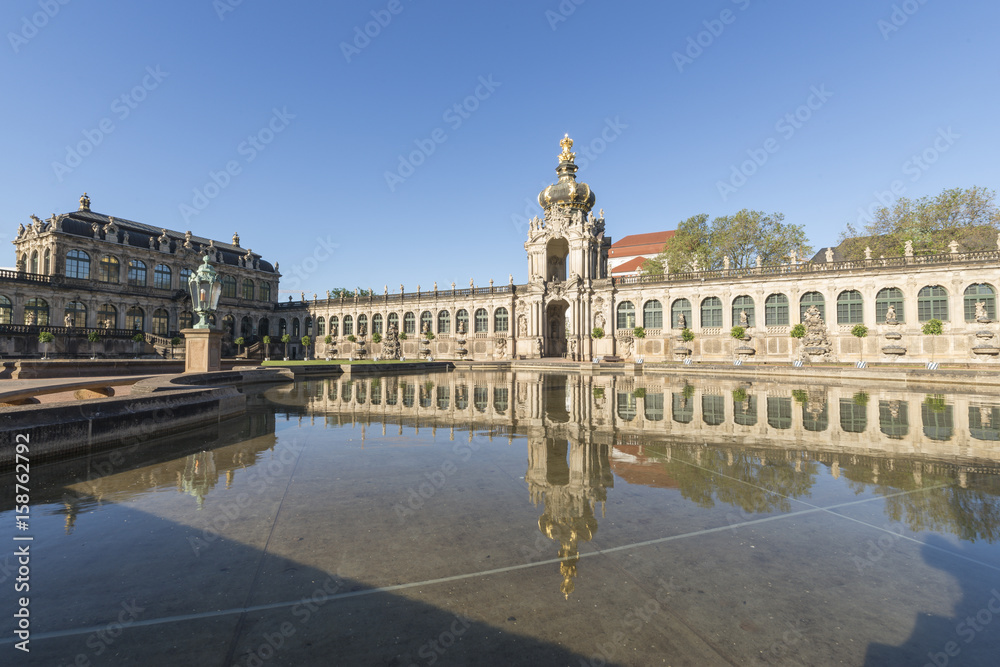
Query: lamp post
pixel 203 345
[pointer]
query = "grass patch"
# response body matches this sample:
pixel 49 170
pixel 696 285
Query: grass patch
pixel 337 362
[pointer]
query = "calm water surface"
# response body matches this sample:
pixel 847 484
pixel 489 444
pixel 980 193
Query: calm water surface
pixel 531 519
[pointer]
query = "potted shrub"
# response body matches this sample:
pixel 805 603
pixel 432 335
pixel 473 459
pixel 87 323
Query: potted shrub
pixel 429 335
pixel 376 337
pixel 174 342
pixel 933 327
pixel 93 337
pixel 139 338
pixel 286 339
pixel 45 337
pixel 798 331
pixel 305 340
pixel 328 341
pixel 860 331
pixel 267 348
pixel 597 333
pixel 240 342
pixel 639 332
pixel 687 335
pixel 738 332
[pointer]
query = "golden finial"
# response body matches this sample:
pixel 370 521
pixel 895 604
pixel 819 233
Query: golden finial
pixel 566 155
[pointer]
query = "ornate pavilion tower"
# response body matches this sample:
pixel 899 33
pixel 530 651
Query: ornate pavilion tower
pixel 567 254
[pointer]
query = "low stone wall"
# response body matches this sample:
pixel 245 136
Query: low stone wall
pixel 33 369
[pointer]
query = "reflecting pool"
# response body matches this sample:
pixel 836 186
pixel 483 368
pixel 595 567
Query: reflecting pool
pixel 529 518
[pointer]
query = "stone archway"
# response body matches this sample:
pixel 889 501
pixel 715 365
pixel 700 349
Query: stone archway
pixel 555 329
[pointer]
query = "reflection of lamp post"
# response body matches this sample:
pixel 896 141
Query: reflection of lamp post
pixel 203 345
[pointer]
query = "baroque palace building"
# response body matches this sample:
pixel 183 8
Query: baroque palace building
pixel 86 269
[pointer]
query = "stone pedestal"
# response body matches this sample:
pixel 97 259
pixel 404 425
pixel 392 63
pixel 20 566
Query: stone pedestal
pixel 203 350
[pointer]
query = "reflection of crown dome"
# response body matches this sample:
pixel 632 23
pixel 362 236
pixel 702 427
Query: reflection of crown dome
pixel 567 191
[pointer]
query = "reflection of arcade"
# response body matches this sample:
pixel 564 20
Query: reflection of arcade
pixel 569 474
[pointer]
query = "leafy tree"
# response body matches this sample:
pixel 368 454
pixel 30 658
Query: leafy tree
pixel 970 217
pixel 860 331
pixel 343 292
pixel 267 346
pixel 240 342
pixel 738 332
pixel 741 237
pixel 429 335
pixel 598 332
pixel 286 339
pixel 798 331
pixel 687 335
pixel 639 332
pixel 933 327
pixel 376 337
pixel 328 340
pixel 306 341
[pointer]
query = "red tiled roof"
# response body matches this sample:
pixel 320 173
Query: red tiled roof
pixel 634 244
pixel 628 267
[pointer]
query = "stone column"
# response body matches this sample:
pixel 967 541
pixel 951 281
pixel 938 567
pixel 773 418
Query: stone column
pixel 203 350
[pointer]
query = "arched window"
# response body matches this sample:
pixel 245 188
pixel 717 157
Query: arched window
pixel 812 299
pixel 264 291
pixel 932 303
pixel 229 287
pixel 47 262
pixel 246 328
pixel 743 304
pixel 248 289
pixel 282 327
pixel 108 314
pixel 392 322
pixel 626 315
pixel 78 312
pixel 309 326
pixel 853 416
pixel 295 328
pixel 229 325
pixel 652 315
pixel 161 277
pixel 462 321
pixel 779 411
pixel 377 323
pixel 711 312
pixel 409 324
pixel 890 296
pixel 334 326
pixel 137 273
pixel 263 327
pixel 980 293
pixel 321 326
pixel 713 406
pixel 183 277
pixel 33 268
pixel 626 407
pixel 482 320
pixel 444 322
pixel 36 311
pixel 426 322
pixel 161 322
pixel 348 325
pixel 363 324
pixel 108 269
pixel 77 264
pixel 776 310
pixel 135 319
pixel 849 307
pixel 501 320
pixel 6 310
pixel 680 314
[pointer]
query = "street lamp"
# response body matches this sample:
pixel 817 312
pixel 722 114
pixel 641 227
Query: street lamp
pixel 205 290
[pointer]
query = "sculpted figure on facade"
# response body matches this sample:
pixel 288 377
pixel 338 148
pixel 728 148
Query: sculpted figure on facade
pixel 599 321
pixel 68 320
pixel 981 312
pixel 908 249
pixel 829 255
pixel 890 315
pixel 682 321
pixel 30 318
pixel 744 319
pixel 390 344
pixel 522 326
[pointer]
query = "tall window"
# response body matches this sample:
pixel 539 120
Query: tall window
pixel 6 310
pixel 77 264
pixel 47 262
pixel 264 291
pixel 984 293
pixel 248 289
pixel 295 327
pixel 377 323
pixel 161 322
pixel 932 303
pixel 108 313
pixel 282 327
pixel 713 409
pixel 482 321
pixel 363 324
pixel 743 304
pixel 34 262
pixel 812 299
pixel 462 321
pixel 36 311
pixel 444 322
pixel 652 315
pixel 320 326
pixel 849 307
pixel 779 412
pixel 229 287
pixel 229 326
pixel 853 416
pixel 889 296
pixel 137 273
pixel 108 271
pixel 183 277
pixel 348 325
pixel 426 321
pixel 246 327
pixel 776 310
pixel 679 308
pixel 161 277
pixel 78 312
pixel 626 315
pixel 409 324
pixel 135 319
pixel 309 326
pixel 501 320
pixel 711 312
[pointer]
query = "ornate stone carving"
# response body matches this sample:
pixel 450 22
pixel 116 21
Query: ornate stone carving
pixel 890 315
pixel 390 344
pixel 84 202
pixel 522 326
pixel 829 255
pixel 816 343
pixel 908 249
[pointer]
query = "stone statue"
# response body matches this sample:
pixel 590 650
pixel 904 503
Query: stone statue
pixel 20 231
pixel 30 318
pixel 793 258
pixel 981 311
pixel 890 314
pixel 152 243
pixel 744 319
pixel 125 237
pixel 760 261
pixel 725 262
pixel 435 286
pixel 187 243
pixel 68 320
pixel 400 288
pixel 302 296
pixel 908 249
pixel 868 252
pixel 953 246
pixel 522 326
pixel 510 278
pixel 390 344
pixel 572 348
pixel 682 321
pixel 538 346
pixel 829 255
pixel 472 284
pixel 599 321
pixel 236 239
pixel 106 323
pixel 84 202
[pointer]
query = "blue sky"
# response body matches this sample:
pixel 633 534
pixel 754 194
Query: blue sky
pixel 287 123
